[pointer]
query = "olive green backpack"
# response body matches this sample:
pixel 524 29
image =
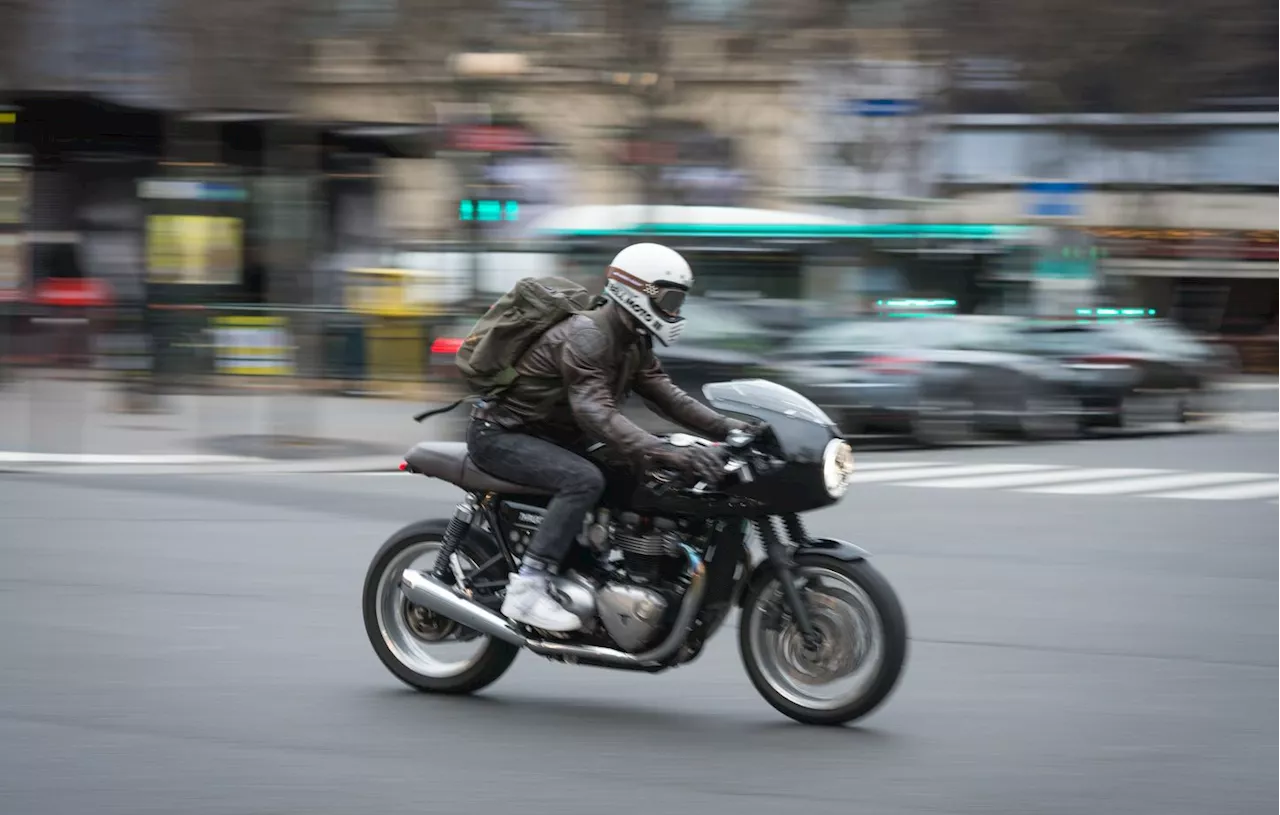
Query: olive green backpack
pixel 487 357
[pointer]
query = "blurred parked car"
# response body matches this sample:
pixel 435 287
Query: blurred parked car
pixel 782 319
pixel 940 380
pixel 1133 373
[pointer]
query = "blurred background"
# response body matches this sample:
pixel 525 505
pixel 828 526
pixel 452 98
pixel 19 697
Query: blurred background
pixel 224 213
pixel 241 240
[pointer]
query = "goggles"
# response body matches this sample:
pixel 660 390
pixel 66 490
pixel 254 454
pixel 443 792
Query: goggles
pixel 666 299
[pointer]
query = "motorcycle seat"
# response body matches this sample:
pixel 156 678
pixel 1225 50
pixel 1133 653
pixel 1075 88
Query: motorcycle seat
pixel 449 461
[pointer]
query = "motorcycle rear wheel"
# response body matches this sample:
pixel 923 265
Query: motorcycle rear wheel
pixel 402 635
pixel 862 626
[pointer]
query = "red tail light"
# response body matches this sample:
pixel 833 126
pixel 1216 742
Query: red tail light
pixel 404 465
pixel 446 345
pixel 891 365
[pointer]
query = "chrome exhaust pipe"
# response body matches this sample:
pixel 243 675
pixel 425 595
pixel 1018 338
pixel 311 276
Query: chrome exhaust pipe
pixel 424 590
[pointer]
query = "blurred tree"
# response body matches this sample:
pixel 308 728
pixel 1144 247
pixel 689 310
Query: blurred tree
pixel 238 54
pixel 14 17
pixel 1100 56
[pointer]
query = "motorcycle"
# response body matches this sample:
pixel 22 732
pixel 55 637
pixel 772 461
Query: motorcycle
pixel 659 566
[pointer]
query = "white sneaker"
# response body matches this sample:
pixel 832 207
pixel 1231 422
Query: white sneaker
pixel 529 602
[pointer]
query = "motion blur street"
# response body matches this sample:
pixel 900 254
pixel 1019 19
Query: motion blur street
pixel 1016 260
pixel 193 643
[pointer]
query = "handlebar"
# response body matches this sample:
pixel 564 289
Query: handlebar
pixel 738 446
pixel 734 465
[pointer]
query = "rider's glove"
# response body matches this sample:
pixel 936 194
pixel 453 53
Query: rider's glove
pixel 753 429
pixel 706 463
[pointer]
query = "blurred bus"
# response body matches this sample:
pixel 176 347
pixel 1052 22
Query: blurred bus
pixel 775 254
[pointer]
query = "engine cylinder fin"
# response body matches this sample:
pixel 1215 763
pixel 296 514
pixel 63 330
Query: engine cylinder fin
pixel 651 545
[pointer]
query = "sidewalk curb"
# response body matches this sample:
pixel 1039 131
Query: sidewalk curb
pixel 40 464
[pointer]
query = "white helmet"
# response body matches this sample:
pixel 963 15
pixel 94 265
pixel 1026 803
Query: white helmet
pixel 650 282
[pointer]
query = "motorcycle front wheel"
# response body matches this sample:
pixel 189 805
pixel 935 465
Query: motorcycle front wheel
pixel 860 651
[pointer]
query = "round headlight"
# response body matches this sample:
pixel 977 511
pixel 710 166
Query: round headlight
pixel 837 467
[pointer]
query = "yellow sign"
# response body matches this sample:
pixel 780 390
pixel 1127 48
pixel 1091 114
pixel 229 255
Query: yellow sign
pixel 194 249
pixel 252 346
pixel 12 265
pixel 13 195
pixel 390 292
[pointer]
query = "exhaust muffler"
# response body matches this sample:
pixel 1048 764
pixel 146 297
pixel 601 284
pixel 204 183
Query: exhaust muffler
pixel 424 590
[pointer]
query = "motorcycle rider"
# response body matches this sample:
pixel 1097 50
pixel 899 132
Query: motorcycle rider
pixel 572 382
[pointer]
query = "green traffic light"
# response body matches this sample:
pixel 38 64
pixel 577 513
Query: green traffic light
pixel 469 210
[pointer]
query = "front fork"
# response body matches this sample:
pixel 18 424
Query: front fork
pixel 780 558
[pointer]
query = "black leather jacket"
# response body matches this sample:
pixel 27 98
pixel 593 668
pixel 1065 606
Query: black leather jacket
pixel 575 377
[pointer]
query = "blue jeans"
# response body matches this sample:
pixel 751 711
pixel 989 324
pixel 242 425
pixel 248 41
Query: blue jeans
pixel 524 459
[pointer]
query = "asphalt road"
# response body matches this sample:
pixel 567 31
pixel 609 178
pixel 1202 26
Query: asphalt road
pixel 194 644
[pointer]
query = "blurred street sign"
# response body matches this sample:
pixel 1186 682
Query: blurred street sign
pixel 488 139
pixel 1054 199
pixel 252 346
pixel 156 188
pixel 876 108
pixel 1070 254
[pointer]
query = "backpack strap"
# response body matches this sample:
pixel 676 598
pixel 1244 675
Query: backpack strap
pixel 421 417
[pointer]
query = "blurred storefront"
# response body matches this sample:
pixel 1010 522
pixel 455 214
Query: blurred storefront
pixel 869 136
pixel 1175 212
pixel 175 192
pixel 1212 281
pixel 511 174
pixel 683 163
pixel 13 205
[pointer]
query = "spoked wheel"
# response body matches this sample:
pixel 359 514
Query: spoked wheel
pixel 427 651
pixel 858 654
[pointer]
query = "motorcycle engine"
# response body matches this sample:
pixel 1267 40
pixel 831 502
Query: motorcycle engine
pixel 642 552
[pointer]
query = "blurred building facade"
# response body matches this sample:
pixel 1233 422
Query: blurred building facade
pixel 382 122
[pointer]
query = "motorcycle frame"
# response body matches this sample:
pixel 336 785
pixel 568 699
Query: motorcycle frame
pixel 726 552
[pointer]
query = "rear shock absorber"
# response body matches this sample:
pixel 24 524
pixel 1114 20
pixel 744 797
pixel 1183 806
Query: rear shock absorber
pixel 459 526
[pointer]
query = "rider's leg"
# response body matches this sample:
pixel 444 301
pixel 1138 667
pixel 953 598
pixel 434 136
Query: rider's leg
pixel 577 484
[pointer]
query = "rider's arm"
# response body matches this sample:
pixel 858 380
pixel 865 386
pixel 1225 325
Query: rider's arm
pixel 652 383
pixel 585 368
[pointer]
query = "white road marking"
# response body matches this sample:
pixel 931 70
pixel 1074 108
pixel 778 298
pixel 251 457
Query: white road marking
pixel 859 466
pixel 1257 421
pixel 1151 484
pixel 943 471
pixel 1234 492
pixel 17 457
pixel 1028 479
